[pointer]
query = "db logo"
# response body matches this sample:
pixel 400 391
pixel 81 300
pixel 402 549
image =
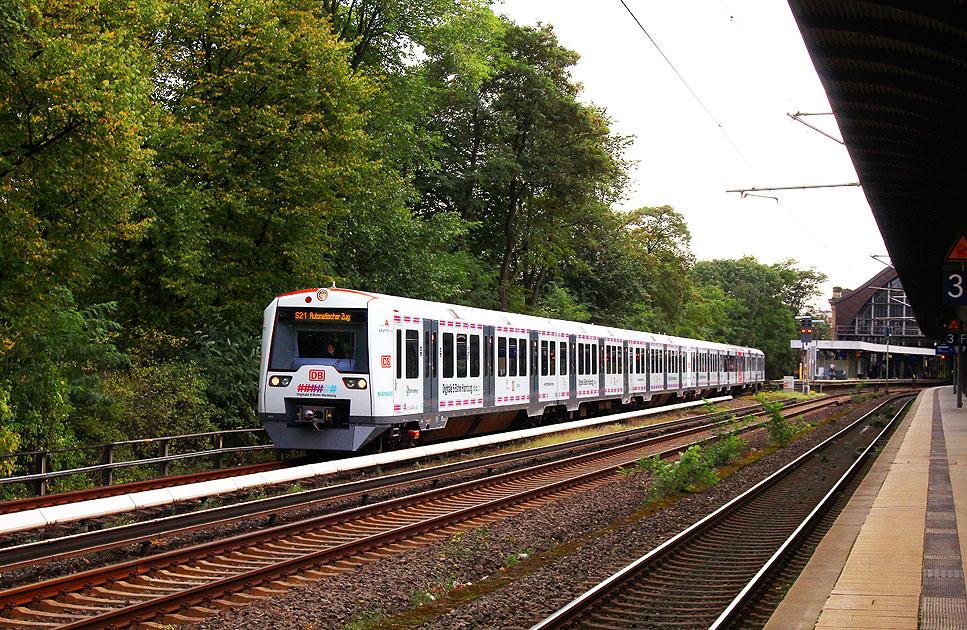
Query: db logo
pixel 317 375
pixel 385 361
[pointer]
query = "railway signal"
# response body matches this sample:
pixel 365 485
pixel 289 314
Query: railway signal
pixel 805 329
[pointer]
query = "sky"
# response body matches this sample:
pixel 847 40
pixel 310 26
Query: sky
pixel 747 65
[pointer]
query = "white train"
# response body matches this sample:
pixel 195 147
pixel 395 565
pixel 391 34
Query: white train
pixel 345 370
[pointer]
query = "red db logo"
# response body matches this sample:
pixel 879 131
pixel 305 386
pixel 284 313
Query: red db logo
pixel 385 361
pixel 317 375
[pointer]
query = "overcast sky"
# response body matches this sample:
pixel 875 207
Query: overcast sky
pixel 746 62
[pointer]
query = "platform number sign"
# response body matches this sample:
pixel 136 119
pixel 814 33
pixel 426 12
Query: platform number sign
pixel 954 288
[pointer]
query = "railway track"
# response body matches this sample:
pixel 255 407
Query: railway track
pixel 64 498
pixel 706 576
pixel 188 584
pixel 56 548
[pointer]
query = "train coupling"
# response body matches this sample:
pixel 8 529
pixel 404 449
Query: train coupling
pixel 318 417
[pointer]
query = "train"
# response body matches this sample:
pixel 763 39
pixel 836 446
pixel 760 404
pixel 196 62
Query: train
pixel 352 371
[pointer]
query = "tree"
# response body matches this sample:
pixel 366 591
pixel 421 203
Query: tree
pixel 766 300
pixel 260 151
pixel 522 155
pixel 74 105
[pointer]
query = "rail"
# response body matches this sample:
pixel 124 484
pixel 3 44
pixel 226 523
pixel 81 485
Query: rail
pixel 41 460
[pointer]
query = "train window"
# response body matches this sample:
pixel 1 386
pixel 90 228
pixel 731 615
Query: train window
pixel 435 367
pixel 594 359
pixel 563 358
pixel 447 355
pixel 552 358
pixel 580 358
pixel 544 358
pixel 621 359
pixel 461 355
pixel 490 355
pixel 512 356
pixel 501 356
pixel 399 354
pixel 522 357
pixel 412 354
pixel 427 353
pixel 474 356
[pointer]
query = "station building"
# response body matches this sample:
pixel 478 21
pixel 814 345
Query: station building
pixel 875 335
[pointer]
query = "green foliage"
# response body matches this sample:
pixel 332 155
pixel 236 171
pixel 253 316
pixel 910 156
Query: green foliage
pixel 53 368
pixel 167 168
pixel 9 440
pixel 762 302
pixel 226 355
pixel 691 469
pixel 73 109
pixel 158 395
pixel 780 430
pixel 522 158
pixel 728 445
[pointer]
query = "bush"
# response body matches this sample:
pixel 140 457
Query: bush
pixel 51 369
pixel 780 431
pixel 670 477
pixel 159 394
pixel 228 356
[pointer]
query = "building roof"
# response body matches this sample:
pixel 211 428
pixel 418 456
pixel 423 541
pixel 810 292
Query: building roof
pixel 896 76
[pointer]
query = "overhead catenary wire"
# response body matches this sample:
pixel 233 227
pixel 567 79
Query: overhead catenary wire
pixel 681 78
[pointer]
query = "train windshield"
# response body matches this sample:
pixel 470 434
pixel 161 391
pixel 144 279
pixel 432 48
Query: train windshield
pixel 306 336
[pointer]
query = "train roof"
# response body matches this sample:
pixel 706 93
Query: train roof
pixel 338 297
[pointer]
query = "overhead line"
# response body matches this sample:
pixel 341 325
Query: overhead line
pixel 680 77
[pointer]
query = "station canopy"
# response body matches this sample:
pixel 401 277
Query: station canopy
pixel 896 77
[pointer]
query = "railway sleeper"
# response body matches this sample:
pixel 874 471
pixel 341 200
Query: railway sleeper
pixel 87 599
pixel 27 623
pixel 180 618
pixel 20 612
pixel 120 596
pixel 54 606
pixel 134 586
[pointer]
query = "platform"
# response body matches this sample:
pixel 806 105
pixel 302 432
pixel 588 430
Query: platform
pixel 894 557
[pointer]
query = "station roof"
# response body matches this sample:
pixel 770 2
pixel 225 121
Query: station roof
pixel 895 73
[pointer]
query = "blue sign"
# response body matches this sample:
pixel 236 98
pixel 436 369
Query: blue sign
pixel 954 287
pixel 946 350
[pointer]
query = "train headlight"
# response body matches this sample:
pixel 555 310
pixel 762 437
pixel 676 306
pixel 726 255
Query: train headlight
pixel 280 381
pixel 321 295
pixel 355 383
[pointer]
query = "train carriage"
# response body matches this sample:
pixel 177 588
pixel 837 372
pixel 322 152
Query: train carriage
pixel 346 370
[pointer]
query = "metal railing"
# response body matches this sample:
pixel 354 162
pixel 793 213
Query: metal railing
pixel 103 472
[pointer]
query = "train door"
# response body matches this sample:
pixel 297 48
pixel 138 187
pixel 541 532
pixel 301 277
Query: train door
pixel 562 390
pixel 488 366
pixel 572 375
pixel 408 385
pixel 430 332
pixel 535 367
pixel 626 368
pixel 602 349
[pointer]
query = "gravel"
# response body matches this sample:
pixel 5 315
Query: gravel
pixel 513 572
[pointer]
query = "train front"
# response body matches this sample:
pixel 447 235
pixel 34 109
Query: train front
pixel 315 385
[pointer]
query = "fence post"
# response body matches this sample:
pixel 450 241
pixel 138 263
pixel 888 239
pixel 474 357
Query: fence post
pixel 217 439
pixel 107 457
pixel 163 452
pixel 40 468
